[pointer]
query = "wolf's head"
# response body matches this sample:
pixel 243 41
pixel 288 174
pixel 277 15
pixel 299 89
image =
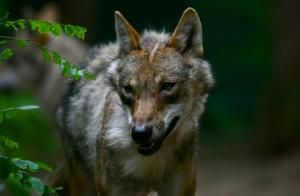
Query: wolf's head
pixel 162 79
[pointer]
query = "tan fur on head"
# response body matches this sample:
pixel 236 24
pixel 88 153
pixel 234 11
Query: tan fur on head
pixel 152 53
pixel 127 36
pixel 187 35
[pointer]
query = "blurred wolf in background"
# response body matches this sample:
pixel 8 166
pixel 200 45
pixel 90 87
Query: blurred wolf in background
pixel 27 71
pixel 133 130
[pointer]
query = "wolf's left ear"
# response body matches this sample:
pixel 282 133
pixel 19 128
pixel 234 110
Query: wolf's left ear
pixel 127 36
pixel 187 36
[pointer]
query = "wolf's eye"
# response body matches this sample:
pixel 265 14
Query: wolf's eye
pixel 167 86
pixel 128 89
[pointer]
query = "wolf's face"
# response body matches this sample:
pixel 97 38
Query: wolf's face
pixel 154 94
pixel 159 78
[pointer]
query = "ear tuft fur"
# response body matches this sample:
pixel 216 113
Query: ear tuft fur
pixel 127 36
pixel 187 36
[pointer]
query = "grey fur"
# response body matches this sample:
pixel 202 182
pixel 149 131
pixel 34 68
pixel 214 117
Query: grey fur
pixel 95 121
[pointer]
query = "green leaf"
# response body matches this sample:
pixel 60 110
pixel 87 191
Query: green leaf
pixel 28 107
pixel 10 114
pixel 69 30
pixel 25 180
pixel 21 164
pixel 37 184
pixel 65 68
pixel 43 27
pixel 55 29
pixel 22 43
pixel 15 109
pixel 45 167
pixel 46 54
pixel 33 24
pixel 6 53
pixel 11 24
pixel 74 73
pixel 56 58
pixel 18 174
pixel 21 23
pixel 89 76
pixel 3 42
pixel 25 164
pixel 80 73
pixel 32 166
pixel 80 32
pixel 6 142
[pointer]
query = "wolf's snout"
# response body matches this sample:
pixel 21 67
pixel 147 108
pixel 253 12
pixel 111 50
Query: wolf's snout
pixel 141 133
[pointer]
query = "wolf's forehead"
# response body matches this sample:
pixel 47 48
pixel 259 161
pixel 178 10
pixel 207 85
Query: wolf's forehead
pixel 150 38
pixel 153 52
pixel 154 61
pixel 157 59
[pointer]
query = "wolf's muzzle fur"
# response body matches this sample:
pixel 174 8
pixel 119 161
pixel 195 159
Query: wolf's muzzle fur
pixel 149 147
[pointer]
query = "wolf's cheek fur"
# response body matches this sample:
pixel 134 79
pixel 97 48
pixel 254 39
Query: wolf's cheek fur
pixel 128 113
pixel 174 110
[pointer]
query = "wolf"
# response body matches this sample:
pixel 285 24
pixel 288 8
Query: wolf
pixel 133 130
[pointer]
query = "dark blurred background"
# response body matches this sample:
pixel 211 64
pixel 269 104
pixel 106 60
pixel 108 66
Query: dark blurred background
pixel 250 131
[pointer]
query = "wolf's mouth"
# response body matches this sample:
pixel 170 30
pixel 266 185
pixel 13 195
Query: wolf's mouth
pixel 150 148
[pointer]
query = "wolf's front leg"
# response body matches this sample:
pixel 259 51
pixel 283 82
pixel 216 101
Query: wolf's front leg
pixel 182 182
pixel 189 189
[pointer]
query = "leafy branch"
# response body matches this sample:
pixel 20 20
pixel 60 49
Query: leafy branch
pixel 67 68
pixel 46 27
pixel 12 112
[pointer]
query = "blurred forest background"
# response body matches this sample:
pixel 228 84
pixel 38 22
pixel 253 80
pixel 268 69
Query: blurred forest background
pixel 250 131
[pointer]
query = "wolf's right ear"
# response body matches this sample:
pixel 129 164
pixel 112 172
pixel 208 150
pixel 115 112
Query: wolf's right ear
pixel 187 37
pixel 127 36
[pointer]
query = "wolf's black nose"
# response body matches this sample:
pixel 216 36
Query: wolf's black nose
pixel 141 133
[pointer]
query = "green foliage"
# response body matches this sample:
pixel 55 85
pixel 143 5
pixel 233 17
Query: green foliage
pixel 47 27
pixel 68 69
pixel 20 169
pixel 22 43
pixel 6 54
pixel 3 42
pixel 17 169
pixel 5 142
pixel 76 31
pixel 12 112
